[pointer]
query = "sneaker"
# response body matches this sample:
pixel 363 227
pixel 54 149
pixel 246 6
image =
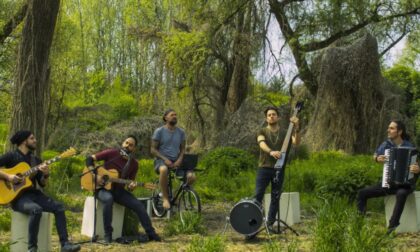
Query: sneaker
pixel 69 247
pixel 154 237
pixel 33 249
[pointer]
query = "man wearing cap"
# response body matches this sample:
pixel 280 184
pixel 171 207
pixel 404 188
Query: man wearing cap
pixel 168 147
pixel 32 201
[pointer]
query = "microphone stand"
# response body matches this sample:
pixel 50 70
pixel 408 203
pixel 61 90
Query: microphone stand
pixel 94 238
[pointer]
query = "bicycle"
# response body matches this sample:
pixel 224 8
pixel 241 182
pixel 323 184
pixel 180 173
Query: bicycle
pixel 185 199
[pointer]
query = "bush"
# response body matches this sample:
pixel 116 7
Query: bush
pixel 332 173
pixel 229 173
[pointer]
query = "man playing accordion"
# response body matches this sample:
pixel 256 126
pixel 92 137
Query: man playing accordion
pixel 397 137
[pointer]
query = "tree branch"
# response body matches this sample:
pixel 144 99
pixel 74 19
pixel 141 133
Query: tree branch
pixel 314 46
pixel 393 43
pixel 13 23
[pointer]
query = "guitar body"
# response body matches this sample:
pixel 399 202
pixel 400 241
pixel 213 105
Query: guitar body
pixel 88 183
pixel 8 190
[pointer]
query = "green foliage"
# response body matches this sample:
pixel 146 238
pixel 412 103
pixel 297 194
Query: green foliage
pixel 186 52
pixel 332 173
pixel 269 96
pixel 340 228
pixel 192 224
pixel 207 244
pixel 64 175
pixel 408 79
pixel 3 136
pixel 131 223
pixel 229 173
pixel 5 218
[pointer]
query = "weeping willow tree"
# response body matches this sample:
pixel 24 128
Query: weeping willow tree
pixel 32 86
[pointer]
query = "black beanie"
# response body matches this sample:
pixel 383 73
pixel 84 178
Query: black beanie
pixel 20 136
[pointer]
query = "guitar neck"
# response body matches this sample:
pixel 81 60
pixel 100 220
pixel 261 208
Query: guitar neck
pixel 286 141
pixel 124 181
pixel 34 169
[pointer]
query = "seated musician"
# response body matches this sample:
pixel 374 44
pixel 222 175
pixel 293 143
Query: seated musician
pixel 168 146
pixel 122 161
pixel 32 201
pixel 397 137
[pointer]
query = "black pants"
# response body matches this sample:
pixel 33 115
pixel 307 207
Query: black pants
pixel 33 203
pixel 264 177
pixel 401 194
pixel 125 198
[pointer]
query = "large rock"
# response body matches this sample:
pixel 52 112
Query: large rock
pixel 353 106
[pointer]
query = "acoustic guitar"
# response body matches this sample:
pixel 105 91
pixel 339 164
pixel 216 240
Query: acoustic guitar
pixel 9 190
pixel 106 178
pixel 281 162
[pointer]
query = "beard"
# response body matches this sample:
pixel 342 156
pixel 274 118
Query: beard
pixel 173 122
pixel 31 147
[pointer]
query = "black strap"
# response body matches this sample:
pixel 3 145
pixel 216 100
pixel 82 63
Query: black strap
pixel 126 168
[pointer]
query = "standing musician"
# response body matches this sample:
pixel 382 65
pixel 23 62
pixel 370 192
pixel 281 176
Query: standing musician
pixel 168 146
pixel 120 159
pixel 270 141
pixel 397 137
pixel 33 201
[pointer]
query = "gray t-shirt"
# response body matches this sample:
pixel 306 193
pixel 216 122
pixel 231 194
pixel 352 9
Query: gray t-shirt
pixel 169 141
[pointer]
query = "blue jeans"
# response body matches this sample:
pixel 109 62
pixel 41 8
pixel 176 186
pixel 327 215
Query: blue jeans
pixel 125 198
pixel 33 203
pixel 264 177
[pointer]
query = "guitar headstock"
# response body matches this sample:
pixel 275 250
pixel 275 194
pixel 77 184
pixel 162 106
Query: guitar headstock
pixel 68 153
pixel 298 106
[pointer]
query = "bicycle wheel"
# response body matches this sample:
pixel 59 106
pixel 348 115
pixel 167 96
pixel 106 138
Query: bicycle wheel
pixel 188 202
pixel 157 202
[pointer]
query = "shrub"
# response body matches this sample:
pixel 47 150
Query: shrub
pixel 229 173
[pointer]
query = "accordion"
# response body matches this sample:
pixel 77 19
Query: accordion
pixel 396 169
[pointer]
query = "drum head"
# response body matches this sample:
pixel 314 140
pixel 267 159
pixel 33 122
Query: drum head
pixel 246 217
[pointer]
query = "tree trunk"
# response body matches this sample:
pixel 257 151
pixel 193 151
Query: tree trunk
pixel 238 87
pixel 32 87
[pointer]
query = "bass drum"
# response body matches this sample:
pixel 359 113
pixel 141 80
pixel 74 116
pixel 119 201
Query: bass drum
pixel 246 217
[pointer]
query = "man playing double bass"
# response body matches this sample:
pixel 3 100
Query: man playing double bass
pixel 270 140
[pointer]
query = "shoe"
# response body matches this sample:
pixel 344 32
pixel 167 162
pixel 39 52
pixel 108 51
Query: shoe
pixel 154 237
pixel 33 249
pixel 391 229
pixel 108 239
pixel 69 247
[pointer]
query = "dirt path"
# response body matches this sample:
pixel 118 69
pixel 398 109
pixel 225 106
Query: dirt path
pixel 214 217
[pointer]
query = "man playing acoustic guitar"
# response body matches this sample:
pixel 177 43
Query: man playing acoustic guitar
pixel 32 201
pixel 122 161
